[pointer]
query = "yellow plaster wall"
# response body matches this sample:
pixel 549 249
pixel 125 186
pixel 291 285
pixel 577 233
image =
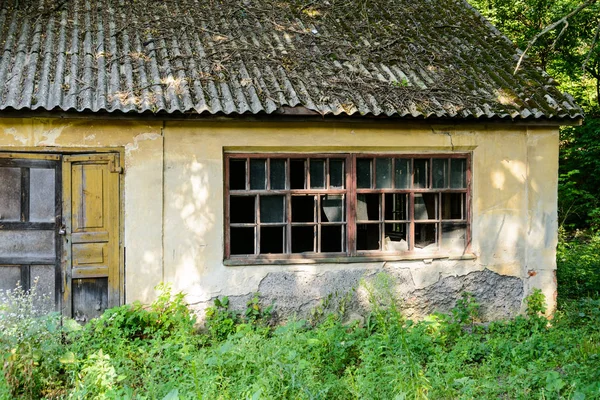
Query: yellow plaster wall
pixel 173 191
pixel 514 219
pixel 142 143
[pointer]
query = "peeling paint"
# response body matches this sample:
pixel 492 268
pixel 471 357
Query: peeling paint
pixel 15 134
pixel 131 147
pixel 49 137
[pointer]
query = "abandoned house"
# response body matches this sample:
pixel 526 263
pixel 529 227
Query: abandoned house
pixel 285 147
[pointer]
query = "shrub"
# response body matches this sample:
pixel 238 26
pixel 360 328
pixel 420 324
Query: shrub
pixel 31 344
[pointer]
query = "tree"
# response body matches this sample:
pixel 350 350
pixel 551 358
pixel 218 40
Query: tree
pixel 563 37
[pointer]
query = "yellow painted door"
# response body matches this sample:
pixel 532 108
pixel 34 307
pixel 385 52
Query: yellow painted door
pixel 91 250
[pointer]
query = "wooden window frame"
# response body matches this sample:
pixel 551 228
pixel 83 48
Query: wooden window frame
pixel 351 192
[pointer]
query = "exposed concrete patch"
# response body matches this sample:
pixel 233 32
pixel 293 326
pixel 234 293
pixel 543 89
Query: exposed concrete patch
pixel 296 294
pixel 500 296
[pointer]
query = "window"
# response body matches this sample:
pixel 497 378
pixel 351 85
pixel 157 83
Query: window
pixel 290 206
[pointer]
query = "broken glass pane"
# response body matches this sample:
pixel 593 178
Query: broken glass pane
pixel 454 237
pixel 317 174
pixel 336 174
pixel 10 194
pixel 458 173
pixel 425 237
pixel 421 173
pixel 440 172
pixel 42 195
pixel 332 208
pixel 396 207
pixel 277 172
pixel 367 207
pixel 396 237
pixel 303 239
pixel 303 209
pixel 402 171
pixel 367 237
pixel 242 241
pixel 258 174
pixel 237 174
pixel 332 237
pixel 242 210
pixel 272 239
pixel 384 173
pixel 298 174
pixel 454 206
pixel 272 209
pixel 364 171
pixel 426 206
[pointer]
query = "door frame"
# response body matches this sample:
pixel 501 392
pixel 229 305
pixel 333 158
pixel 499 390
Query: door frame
pixel 57 153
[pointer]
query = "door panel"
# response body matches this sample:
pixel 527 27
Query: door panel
pixel 29 215
pixel 91 247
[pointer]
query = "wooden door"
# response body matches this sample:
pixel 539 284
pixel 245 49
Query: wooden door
pixel 91 250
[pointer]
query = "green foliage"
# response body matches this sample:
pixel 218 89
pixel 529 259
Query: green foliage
pixel 126 355
pixel 578 267
pixel 30 344
pixel 536 303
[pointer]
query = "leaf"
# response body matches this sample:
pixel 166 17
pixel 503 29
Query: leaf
pixel 67 358
pixel 172 395
pixel 70 325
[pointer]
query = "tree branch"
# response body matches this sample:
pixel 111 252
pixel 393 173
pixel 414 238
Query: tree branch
pixel 563 20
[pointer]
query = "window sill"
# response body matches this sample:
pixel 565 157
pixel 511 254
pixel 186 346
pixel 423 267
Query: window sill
pixel 241 261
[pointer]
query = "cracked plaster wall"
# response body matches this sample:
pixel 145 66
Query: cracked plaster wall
pixel 173 200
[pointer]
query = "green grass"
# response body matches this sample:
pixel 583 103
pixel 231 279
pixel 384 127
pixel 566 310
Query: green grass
pixel 154 352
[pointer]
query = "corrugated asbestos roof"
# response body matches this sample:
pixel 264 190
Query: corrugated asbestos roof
pixel 407 58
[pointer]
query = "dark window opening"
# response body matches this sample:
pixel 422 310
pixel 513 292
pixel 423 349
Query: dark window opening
pixel 279 206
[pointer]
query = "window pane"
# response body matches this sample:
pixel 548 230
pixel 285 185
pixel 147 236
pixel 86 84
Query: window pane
pixel 421 173
pixel 27 244
pixel 242 210
pixel 454 206
pixel 332 208
pixel 384 173
pixel 272 209
pixel 402 171
pixel 458 173
pixel 242 240
pixel 237 174
pixel 258 174
pixel 454 237
pixel 425 237
pixel 426 206
pixel 10 194
pixel 42 195
pixel 303 209
pixel 367 237
pixel 367 207
pixel 277 173
pixel 440 172
pixel 303 239
pixel 363 173
pixel 298 174
pixel 396 237
pixel 332 238
pixel 336 174
pixel 396 207
pixel 272 239
pixel 317 174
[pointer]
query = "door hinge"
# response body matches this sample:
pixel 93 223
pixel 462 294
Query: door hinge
pixel 114 165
